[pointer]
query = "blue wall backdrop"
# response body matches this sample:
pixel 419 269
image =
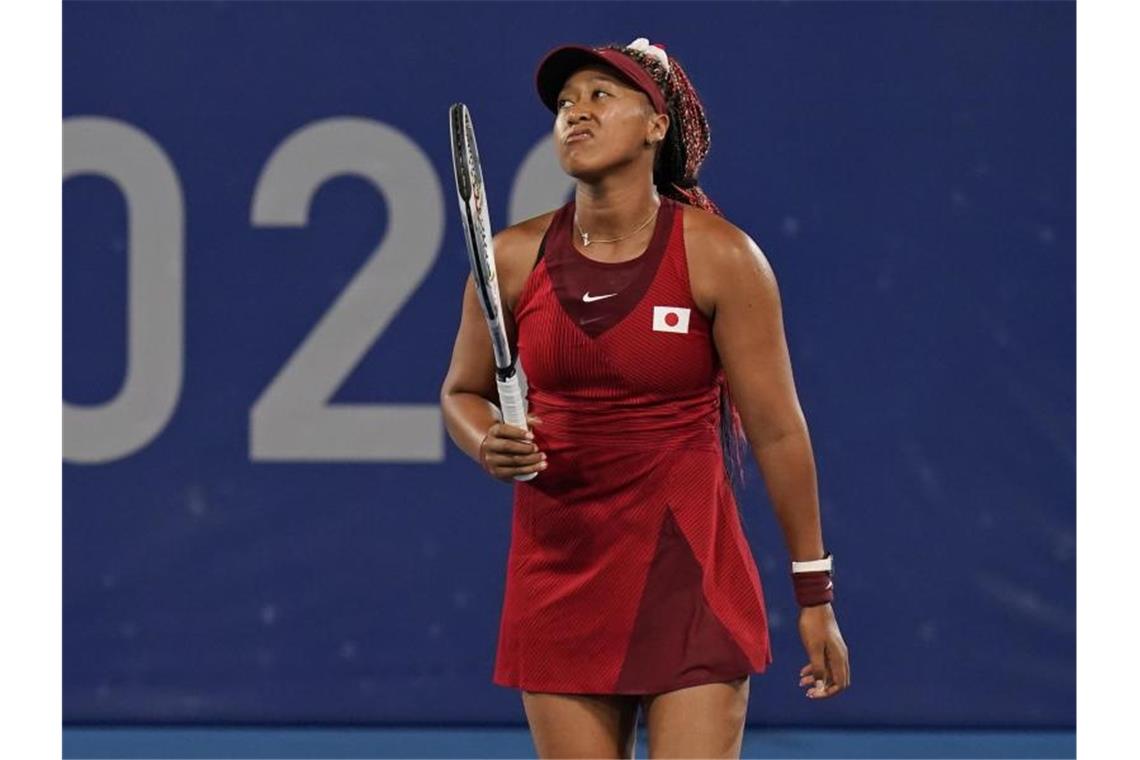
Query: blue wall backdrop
pixel 264 520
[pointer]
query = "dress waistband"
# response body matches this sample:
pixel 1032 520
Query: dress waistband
pixel 676 423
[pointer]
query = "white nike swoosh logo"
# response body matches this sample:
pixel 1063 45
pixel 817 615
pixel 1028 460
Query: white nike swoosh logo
pixel 588 299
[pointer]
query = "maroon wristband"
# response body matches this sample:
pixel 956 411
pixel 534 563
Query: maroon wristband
pixel 813 588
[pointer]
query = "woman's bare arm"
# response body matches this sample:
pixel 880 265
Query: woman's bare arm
pixel 749 334
pixel 469 397
pixel 737 285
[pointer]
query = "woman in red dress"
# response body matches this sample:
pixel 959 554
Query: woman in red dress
pixel 649 330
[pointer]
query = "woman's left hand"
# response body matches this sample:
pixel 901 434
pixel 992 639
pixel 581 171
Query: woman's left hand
pixel 829 671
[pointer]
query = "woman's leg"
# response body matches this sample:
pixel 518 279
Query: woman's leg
pixel 699 721
pixel 581 725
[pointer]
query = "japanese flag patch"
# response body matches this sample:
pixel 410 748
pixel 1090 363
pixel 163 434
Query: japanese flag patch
pixel 672 319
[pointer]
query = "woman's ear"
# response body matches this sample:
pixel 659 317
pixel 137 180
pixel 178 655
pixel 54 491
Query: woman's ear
pixel 659 128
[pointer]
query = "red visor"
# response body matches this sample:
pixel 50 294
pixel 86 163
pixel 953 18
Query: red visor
pixel 557 66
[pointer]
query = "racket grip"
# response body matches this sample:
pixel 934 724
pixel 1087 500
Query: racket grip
pixel 514 408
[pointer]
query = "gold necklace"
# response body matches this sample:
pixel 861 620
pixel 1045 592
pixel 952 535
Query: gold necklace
pixel 586 237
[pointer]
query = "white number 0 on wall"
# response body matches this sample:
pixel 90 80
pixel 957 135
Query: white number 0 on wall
pixel 149 184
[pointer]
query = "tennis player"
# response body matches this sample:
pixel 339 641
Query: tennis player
pixel 649 329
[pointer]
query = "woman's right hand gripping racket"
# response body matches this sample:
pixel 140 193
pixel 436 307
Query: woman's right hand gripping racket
pixel 476 223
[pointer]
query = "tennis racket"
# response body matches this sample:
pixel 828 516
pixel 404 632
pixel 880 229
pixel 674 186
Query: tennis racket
pixel 476 224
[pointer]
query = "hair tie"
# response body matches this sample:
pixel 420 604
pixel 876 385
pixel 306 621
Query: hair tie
pixel 657 52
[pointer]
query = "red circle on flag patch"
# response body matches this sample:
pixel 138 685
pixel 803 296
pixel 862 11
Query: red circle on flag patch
pixel 672 319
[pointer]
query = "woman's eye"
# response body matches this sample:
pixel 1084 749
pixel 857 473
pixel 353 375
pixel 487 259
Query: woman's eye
pixel 596 92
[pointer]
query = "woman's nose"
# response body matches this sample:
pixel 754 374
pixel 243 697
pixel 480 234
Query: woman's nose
pixel 576 114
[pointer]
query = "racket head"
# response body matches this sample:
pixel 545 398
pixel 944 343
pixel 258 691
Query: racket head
pixel 476 222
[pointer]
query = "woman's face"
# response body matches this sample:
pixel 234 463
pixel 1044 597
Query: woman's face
pixel 604 123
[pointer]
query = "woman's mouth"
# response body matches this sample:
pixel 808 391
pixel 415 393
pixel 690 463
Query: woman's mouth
pixel 578 137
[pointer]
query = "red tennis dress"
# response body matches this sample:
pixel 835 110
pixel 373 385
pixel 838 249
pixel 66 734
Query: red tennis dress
pixel 629 571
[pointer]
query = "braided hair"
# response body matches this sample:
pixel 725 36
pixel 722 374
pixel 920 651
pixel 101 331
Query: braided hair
pixel 675 171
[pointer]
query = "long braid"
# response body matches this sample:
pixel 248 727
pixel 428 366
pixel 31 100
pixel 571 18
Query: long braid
pixel 675 173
